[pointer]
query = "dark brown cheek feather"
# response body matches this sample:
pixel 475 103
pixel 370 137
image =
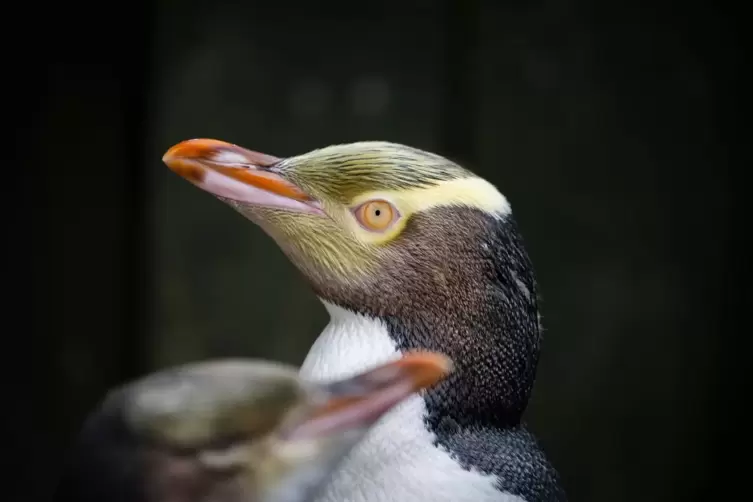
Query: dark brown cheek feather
pixel 453 284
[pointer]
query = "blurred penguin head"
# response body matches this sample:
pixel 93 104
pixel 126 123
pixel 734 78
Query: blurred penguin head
pixel 233 431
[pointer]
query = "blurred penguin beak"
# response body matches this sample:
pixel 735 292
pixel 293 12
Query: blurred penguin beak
pixel 360 401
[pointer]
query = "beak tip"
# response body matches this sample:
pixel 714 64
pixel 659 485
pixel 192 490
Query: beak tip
pixel 439 362
pixel 425 368
pixel 184 158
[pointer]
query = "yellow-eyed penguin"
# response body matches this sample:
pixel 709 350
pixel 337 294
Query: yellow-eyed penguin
pixel 407 250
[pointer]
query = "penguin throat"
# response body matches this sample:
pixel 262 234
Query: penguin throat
pixel 349 344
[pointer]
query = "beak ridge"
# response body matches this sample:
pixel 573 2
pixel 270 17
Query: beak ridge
pixel 217 151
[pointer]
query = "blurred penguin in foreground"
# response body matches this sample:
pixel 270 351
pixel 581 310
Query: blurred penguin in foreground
pixel 232 431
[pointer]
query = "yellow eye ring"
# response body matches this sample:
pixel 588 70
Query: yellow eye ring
pixel 376 215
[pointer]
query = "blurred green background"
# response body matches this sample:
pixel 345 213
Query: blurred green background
pixel 614 130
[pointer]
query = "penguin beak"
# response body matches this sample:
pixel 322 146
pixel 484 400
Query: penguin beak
pixel 234 173
pixel 360 401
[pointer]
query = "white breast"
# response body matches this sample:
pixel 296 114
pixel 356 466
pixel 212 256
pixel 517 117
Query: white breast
pixel 396 461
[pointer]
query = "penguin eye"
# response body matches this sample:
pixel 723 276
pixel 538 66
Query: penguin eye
pixel 376 215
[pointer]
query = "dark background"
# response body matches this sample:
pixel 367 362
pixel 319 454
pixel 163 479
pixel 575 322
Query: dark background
pixel 615 129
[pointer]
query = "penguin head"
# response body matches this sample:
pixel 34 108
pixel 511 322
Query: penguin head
pixel 348 216
pixel 404 236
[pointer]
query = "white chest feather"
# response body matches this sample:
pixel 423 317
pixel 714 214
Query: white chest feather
pixel 396 461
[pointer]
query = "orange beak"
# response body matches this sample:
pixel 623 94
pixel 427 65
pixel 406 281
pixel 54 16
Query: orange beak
pixel 231 172
pixel 358 402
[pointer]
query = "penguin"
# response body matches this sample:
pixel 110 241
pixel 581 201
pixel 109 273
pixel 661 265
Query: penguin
pixel 232 430
pixel 406 250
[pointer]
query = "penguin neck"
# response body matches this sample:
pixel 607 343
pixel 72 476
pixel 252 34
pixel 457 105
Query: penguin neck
pixel 399 456
pixel 486 390
pixel 463 286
